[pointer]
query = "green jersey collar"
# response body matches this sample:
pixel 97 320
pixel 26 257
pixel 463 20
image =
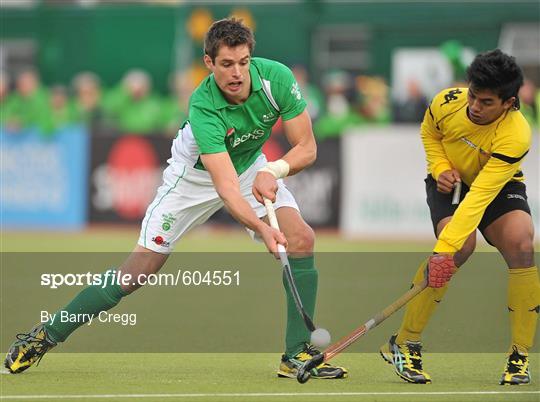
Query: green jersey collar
pixel 255 78
pixel 219 100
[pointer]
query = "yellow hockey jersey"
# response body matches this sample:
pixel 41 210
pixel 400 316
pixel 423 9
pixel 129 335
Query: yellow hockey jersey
pixel 486 157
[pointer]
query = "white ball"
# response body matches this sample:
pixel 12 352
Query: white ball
pixel 320 338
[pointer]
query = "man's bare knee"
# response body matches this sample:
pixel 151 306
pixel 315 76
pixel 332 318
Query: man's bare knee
pixel 302 241
pixel 519 252
pixel 141 263
pixel 524 245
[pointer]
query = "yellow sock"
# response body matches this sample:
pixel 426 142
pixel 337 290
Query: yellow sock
pixel 419 310
pixel 524 306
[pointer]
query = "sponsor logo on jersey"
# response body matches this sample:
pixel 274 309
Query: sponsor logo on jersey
pixel 451 95
pixel 255 135
pixel 160 241
pixel 474 146
pixel 295 91
pixel 268 117
pixel 518 196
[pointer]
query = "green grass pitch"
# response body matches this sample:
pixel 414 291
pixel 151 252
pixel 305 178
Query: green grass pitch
pixel 462 376
pixel 251 377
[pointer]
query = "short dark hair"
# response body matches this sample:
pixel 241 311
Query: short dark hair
pixel 498 72
pixel 230 32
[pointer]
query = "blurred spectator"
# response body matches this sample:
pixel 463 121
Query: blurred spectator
pixel 132 108
pixel 527 98
pixel 137 110
pixel 88 100
pixel 412 108
pixel 61 111
pixel 452 50
pixel 310 92
pixel 4 92
pixel 175 107
pixel 373 93
pixel 339 114
pixel 113 99
pixel 4 86
pixel 537 108
pixel 27 106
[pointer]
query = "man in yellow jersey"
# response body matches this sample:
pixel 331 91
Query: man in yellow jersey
pixel 476 136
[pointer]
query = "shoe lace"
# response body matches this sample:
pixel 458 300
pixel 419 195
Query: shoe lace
pixel 311 350
pixel 517 363
pixel 307 353
pixel 415 355
pixel 38 346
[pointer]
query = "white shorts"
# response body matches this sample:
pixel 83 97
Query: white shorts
pixel 187 198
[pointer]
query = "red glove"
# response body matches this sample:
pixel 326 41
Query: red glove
pixel 441 267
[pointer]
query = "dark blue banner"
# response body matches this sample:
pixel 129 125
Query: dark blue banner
pixel 44 179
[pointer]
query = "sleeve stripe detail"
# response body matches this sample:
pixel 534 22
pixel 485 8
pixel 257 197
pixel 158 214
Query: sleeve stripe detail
pixel 450 114
pixel 509 159
pixel 268 92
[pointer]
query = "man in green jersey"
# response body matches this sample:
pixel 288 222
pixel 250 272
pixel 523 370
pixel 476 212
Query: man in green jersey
pixel 217 160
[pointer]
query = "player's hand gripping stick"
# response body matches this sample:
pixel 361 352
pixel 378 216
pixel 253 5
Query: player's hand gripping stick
pixel 441 267
pixel 457 193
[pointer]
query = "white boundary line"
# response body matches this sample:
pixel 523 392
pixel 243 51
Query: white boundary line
pixel 264 395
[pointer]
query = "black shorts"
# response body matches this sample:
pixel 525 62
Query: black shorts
pixel 513 196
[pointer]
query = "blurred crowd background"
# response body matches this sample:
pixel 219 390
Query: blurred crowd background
pixel 133 106
pixel 56 68
pixel 120 68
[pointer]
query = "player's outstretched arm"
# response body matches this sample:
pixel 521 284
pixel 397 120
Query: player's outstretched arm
pixel 226 183
pixel 304 148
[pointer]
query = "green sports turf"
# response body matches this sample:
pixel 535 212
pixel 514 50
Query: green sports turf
pixel 345 301
pixel 202 239
pixel 253 375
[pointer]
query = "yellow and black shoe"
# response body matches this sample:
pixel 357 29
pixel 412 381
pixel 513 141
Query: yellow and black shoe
pixel 517 369
pixel 406 359
pixel 289 366
pixel 28 349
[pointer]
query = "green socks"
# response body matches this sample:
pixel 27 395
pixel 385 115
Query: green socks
pixel 306 277
pixel 88 303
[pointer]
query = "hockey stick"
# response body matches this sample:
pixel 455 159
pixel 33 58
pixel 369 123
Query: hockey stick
pixel 457 193
pixel 304 373
pixel 287 268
